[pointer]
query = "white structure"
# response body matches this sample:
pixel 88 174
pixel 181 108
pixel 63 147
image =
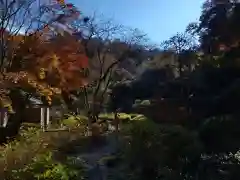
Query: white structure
pixel 44 113
pixel 3 117
pixel 45 118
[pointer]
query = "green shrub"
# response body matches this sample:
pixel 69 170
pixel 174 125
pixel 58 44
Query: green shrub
pixel 44 167
pixel 111 116
pixel 221 134
pixel 160 151
pixel 145 102
pixel 30 143
pixel 137 101
pixel 75 121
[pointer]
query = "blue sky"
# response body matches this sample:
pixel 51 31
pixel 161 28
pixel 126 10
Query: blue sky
pixel 160 19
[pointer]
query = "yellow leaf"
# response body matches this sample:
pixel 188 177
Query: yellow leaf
pixel 55 61
pixel 42 75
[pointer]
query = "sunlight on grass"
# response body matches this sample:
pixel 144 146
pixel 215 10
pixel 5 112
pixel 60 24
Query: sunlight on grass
pixel 74 121
pixel 139 117
pixel 121 116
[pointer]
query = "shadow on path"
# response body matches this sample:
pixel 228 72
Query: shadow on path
pixel 90 153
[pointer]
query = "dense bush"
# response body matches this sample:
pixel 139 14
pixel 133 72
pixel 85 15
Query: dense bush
pixel 156 152
pixel 221 134
pixel 44 167
pixel 38 155
pixel 172 152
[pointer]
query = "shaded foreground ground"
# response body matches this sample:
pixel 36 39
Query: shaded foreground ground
pixel 141 150
pixel 33 149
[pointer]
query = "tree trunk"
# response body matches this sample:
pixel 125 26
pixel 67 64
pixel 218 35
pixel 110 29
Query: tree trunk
pixel 16 119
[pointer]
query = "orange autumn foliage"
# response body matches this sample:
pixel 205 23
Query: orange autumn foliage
pixel 47 66
pixel 61 60
pixel 39 65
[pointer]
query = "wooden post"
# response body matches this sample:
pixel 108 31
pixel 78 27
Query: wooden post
pixel 42 119
pixel 47 117
pixel 3 117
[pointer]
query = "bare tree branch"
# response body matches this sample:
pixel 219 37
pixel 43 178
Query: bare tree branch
pixel 108 44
